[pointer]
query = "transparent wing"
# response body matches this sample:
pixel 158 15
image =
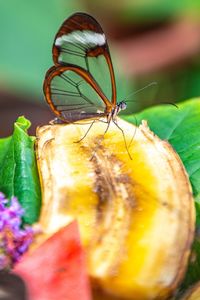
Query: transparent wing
pixel 81 41
pixel 73 95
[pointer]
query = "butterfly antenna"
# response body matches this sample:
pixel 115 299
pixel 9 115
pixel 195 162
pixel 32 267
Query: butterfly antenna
pixel 145 87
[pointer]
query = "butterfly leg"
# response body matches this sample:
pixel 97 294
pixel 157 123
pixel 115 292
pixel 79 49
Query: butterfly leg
pixel 114 121
pixel 86 132
pixel 107 122
pixel 109 118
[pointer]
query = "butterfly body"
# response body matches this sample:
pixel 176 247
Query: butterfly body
pixel 81 84
pixel 115 111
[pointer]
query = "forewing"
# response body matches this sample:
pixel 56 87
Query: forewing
pixel 73 95
pixel 81 41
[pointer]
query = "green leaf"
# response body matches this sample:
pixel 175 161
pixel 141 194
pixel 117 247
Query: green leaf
pixel 18 170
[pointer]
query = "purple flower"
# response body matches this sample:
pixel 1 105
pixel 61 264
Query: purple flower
pixel 14 239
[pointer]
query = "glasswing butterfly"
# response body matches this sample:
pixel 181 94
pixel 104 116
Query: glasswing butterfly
pixel 81 84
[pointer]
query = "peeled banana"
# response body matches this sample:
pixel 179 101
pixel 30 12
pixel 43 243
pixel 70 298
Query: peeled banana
pixel 132 198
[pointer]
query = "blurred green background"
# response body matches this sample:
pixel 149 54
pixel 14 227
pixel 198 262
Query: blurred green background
pixel 150 40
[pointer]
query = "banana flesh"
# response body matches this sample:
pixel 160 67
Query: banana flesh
pixel 134 207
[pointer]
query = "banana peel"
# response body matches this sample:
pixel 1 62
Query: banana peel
pixel 132 198
pixel 192 293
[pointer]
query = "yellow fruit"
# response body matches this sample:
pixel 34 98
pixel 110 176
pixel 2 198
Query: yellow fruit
pixel 136 215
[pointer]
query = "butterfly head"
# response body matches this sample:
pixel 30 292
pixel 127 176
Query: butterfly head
pixel 122 105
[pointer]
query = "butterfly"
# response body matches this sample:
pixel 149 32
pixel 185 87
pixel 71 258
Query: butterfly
pixel 81 84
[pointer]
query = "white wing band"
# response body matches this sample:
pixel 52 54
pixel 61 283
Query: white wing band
pixel 85 37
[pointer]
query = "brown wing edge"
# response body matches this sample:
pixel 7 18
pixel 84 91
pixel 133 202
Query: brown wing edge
pixel 47 90
pixel 56 71
pixel 80 21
